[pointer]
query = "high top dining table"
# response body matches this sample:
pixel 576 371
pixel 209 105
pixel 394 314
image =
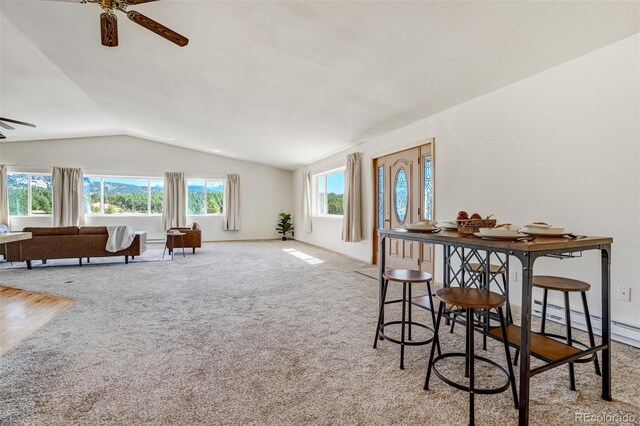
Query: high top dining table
pixel 464 249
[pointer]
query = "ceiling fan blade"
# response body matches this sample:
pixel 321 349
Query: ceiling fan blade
pixel 109 29
pixel 158 28
pixel 134 2
pixel 22 123
pixel 6 126
pixel 2 136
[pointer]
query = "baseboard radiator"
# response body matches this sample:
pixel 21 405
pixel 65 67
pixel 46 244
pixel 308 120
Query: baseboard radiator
pixel 620 332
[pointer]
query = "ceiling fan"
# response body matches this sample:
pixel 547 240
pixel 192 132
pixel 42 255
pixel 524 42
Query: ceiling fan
pixel 4 124
pixel 109 21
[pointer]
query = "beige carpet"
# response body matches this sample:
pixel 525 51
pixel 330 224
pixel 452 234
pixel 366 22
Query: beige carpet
pixel 245 333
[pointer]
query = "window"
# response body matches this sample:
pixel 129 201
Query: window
pixel 428 188
pixel 330 189
pixel 29 194
pixel 123 195
pixel 204 196
pixel 156 195
pixel 380 197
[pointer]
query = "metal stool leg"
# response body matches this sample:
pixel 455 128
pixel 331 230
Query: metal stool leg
pixel 592 341
pixel 567 316
pixel 409 309
pixel 469 320
pixel 512 378
pixel 381 313
pixel 435 342
pixel 544 311
pixel 470 357
pixel 506 295
pixel 433 317
pixel 404 306
pixel 182 241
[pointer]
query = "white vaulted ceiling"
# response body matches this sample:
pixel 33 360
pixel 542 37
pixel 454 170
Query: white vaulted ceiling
pixel 280 83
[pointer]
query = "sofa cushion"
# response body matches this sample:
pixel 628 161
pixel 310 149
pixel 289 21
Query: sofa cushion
pixel 93 230
pixel 47 231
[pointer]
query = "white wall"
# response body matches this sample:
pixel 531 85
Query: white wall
pixel 561 146
pixel 264 190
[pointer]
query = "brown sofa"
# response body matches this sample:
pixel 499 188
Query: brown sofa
pixel 192 238
pixel 69 242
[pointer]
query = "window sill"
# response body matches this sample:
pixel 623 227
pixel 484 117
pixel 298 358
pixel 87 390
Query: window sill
pixel 328 216
pixel 206 215
pixel 29 215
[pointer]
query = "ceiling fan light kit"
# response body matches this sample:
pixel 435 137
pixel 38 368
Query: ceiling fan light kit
pixel 109 22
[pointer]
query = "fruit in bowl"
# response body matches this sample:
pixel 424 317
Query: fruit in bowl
pixel 476 216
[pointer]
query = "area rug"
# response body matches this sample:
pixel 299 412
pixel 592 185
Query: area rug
pixel 245 333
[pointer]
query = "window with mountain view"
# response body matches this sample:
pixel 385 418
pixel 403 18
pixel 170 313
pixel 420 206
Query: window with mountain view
pixel 204 196
pixel 123 195
pixel 29 194
pixel 330 193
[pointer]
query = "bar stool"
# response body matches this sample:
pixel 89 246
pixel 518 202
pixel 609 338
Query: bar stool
pixel 471 299
pixel 566 286
pixel 406 277
pixel 495 270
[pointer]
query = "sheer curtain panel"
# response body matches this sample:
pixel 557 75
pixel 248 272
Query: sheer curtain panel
pixel 231 207
pixel 68 197
pixel 306 201
pixel 174 206
pixel 4 196
pixel 352 216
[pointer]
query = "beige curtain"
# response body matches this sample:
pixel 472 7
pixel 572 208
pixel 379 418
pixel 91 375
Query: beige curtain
pixel 68 197
pixel 352 216
pixel 174 205
pixel 4 196
pixel 231 207
pixel 306 201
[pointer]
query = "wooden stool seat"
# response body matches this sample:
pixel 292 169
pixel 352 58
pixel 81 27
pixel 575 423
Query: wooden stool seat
pixel 559 283
pixel 407 276
pixel 470 298
pixel 478 268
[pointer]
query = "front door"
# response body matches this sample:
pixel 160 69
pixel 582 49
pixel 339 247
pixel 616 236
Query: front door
pixel 403 180
pixel 404 194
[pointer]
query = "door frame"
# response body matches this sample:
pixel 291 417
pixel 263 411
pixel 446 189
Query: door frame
pixel 374 186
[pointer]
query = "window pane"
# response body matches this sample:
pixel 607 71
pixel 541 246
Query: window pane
pixel 214 196
pixel 335 191
pixel 41 194
pixel 401 193
pixel 380 197
pixel 428 188
pixel 157 195
pixel 91 195
pixel 18 188
pixel 195 193
pixel 125 195
pixel 322 195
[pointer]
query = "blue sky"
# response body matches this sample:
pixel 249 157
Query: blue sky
pixel 335 183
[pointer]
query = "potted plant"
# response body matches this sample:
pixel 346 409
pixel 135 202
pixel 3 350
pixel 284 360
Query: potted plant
pixel 285 227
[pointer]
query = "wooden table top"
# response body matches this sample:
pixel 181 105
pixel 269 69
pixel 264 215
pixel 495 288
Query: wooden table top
pixel 539 244
pixel 14 236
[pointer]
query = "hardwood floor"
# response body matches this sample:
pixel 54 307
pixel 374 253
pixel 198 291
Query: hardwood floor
pixel 23 312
